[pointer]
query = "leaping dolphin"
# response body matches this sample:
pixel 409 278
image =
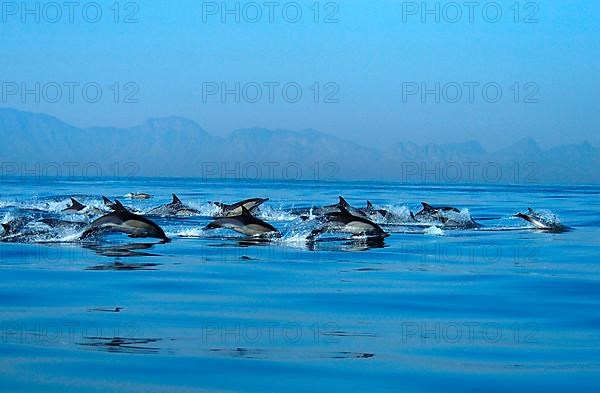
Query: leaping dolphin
pixel 345 221
pixel 439 213
pixel 244 223
pixel 540 222
pixel 236 208
pixel 122 220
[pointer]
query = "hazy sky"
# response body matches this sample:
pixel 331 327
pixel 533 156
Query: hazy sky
pixel 369 66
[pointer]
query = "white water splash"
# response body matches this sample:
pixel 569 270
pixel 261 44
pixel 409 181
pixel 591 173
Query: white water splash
pixel 434 231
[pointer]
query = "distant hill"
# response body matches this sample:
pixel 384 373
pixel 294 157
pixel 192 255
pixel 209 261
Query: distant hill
pixel 180 147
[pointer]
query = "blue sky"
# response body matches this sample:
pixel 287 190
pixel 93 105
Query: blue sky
pixel 365 62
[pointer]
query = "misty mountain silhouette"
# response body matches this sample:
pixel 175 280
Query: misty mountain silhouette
pixel 176 146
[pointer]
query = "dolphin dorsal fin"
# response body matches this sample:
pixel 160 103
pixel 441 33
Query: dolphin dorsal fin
pixel 344 211
pixel 245 211
pixel 176 200
pixel 119 206
pixel 106 201
pixel 369 205
pixel 427 206
pixel 6 227
pixel 76 205
pixel 343 202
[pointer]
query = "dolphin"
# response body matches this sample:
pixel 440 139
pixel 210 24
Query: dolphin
pixel 354 211
pixel 345 221
pixel 439 213
pixel 321 211
pixel 244 223
pixel 75 208
pixel 62 224
pixel 21 230
pixel 539 222
pixel 13 227
pixel 122 220
pixel 108 203
pixel 113 206
pixel 373 213
pixel 138 195
pixel 79 208
pixel 430 211
pixel 235 209
pixel 175 208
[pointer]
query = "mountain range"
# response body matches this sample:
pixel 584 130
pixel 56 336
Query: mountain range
pixel 179 147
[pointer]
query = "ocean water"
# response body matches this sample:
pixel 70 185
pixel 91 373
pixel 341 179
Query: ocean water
pixel 503 307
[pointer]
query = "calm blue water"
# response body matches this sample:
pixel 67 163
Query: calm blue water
pixel 501 308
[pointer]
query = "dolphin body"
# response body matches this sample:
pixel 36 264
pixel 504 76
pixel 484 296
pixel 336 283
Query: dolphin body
pixel 13 227
pixel 62 224
pixel 114 206
pixel 17 230
pixel 122 220
pixel 438 213
pixel 345 221
pixel 321 211
pixel 23 229
pixel 175 208
pixel 235 210
pixel 244 223
pixel 431 211
pixel 138 195
pixel 539 222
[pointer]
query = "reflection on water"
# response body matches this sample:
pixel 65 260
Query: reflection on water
pixel 240 353
pixel 138 346
pixel 342 244
pixel 421 310
pixel 122 250
pixel 118 266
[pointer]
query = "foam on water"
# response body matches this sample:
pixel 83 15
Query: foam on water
pixel 434 231
pixel 280 214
